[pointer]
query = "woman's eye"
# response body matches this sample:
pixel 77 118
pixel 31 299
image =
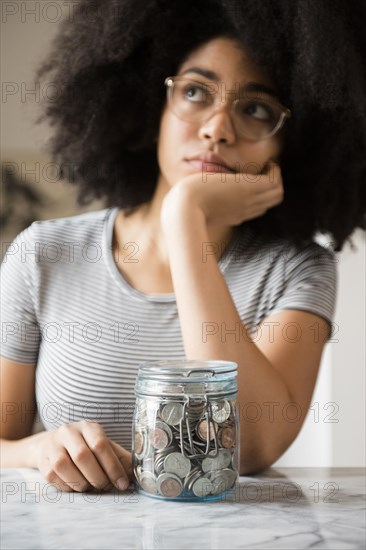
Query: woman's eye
pixel 194 93
pixel 259 111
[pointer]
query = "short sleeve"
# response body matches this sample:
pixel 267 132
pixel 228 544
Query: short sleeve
pixel 311 282
pixel 20 333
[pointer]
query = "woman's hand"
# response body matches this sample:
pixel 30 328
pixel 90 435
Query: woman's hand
pixel 227 199
pixel 79 456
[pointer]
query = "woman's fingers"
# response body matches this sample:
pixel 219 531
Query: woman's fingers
pixel 270 178
pixel 101 447
pixel 61 467
pixel 85 460
pixel 125 457
pixel 79 457
pixel 50 475
pixel 269 198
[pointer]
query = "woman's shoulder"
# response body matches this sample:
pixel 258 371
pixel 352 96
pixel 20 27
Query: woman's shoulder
pixel 87 226
pixel 83 220
pixel 55 238
pixel 271 249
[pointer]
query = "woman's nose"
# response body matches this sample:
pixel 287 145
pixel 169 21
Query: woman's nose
pixel 218 127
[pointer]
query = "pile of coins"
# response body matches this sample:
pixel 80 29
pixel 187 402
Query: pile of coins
pixel 185 450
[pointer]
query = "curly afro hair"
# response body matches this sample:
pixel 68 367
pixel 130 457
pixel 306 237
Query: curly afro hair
pixel 109 63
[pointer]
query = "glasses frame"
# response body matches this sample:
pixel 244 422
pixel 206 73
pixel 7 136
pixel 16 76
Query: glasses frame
pixel 169 83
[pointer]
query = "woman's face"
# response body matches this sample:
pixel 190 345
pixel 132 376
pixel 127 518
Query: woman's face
pixel 179 139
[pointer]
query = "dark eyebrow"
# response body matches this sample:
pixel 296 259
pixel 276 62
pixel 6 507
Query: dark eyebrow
pixel 254 86
pixel 203 72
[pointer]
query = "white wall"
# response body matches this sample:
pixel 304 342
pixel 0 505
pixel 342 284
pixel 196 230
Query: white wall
pixel 24 40
pixel 333 433
pixel 348 359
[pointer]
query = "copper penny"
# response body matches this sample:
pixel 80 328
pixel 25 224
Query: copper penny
pixel 139 442
pixel 170 487
pixel 158 438
pixel 227 437
pixel 202 430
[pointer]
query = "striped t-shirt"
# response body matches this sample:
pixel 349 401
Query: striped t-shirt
pixel 67 308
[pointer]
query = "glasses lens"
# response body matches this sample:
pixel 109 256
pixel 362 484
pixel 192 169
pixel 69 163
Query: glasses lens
pixel 191 100
pixel 257 118
pixel 253 117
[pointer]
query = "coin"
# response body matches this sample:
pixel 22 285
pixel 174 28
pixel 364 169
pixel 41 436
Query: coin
pixel 191 478
pixel 177 464
pixel 166 428
pixel 170 444
pixel 139 442
pixel 222 480
pixel 218 484
pixel 230 477
pixel 148 482
pixel 158 438
pixel 169 485
pixel 202 429
pixel 224 458
pixel 210 463
pixel 172 413
pixel 221 410
pixel 202 487
pixel 227 437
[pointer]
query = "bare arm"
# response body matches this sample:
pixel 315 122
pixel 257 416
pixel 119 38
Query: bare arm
pixel 270 374
pixel 18 410
pixel 75 456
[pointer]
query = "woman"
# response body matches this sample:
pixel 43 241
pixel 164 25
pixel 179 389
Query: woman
pixel 221 152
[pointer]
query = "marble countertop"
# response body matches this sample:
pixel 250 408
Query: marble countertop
pixel 281 508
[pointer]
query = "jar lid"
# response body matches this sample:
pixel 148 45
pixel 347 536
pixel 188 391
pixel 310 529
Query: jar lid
pixel 173 369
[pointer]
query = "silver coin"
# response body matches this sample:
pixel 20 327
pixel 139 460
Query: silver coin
pixel 211 463
pixel 224 458
pixel 172 413
pixel 177 464
pixel 195 473
pixel 218 483
pixel 222 480
pixel 202 487
pixel 159 466
pixel 147 482
pixel 230 477
pixel 192 478
pixel 221 410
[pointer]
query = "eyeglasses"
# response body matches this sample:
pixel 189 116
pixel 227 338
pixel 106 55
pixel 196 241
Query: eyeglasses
pixel 254 117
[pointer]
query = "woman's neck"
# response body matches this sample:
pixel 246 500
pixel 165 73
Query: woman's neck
pixel 143 227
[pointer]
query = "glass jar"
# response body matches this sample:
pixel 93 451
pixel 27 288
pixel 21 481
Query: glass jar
pixel 185 435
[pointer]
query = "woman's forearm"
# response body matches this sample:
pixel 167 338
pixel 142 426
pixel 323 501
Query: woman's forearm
pixel 19 453
pixel 207 313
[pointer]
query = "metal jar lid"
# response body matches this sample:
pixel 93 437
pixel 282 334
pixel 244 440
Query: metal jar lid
pixel 181 376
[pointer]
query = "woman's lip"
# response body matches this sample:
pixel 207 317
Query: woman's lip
pixel 204 166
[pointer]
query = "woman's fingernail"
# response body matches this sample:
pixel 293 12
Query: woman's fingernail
pixel 122 483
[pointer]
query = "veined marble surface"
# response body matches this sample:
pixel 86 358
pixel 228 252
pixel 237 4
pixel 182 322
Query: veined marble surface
pixel 281 508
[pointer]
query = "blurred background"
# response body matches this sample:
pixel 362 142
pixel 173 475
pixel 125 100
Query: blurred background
pixel 334 431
